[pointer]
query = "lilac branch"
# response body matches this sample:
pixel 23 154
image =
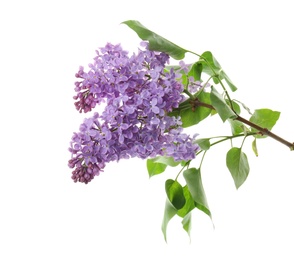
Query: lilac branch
pixel 262 131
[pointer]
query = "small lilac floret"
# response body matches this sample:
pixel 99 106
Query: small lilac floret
pixel 195 85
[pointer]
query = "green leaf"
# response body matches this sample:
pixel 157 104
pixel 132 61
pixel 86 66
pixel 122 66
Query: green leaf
pixel 244 106
pixel 236 107
pixel 184 80
pixel 194 183
pixel 192 116
pixel 169 212
pixel 169 161
pixel 175 193
pixel 238 166
pixel 213 112
pixel 204 143
pixel 189 205
pixel 254 147
pixel 213 68
pixel 155 168
pixel 187 223
pixel 237 127
pixel 156 42
pixel 229 82
pixel 265 118
pixel 210 65
pixel 220 105
pixel 195 71
pixel 158 164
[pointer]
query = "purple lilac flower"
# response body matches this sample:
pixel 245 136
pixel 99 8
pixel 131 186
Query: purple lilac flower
pixel 183 66
pixel 138 95
pixel 195 86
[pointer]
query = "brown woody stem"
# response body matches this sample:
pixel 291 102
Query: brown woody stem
pixel 263 131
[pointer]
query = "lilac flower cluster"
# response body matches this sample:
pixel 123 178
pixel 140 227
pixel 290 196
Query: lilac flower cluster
pixel 138 93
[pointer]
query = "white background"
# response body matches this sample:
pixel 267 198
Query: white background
pixel 44 215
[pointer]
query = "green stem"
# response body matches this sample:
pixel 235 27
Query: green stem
pixel 202 159
pixel 243 140
pixel 226 138
pixel 226 92
pixel 188 93
pixel 186 165
pixel 202 88
pixel 197 55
